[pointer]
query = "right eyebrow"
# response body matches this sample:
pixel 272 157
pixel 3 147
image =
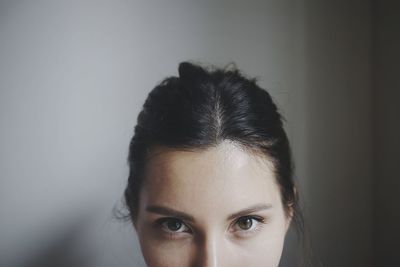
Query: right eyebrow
pixel 170 212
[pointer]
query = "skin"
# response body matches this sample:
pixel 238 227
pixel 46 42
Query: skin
pixel 209 186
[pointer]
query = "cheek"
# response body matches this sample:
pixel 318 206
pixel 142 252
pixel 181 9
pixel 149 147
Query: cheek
pixel 267 253
pixel 263 251
pixel 160 253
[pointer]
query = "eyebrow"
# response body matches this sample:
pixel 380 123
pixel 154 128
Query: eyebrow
pixel 187 217
pixel 254 208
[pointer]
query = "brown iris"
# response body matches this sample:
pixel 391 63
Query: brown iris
pixel 174 224
pixel 245 223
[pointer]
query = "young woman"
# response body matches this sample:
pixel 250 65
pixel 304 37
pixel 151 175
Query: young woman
pixel 210 179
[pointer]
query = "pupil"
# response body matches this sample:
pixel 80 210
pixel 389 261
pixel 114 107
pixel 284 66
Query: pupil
pixel 174 225
pixel 245 223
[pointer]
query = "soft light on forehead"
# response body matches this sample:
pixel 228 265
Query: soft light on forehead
pixel 226 154
pixel 224 175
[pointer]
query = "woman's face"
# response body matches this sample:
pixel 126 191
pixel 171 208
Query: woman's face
pixel 218 207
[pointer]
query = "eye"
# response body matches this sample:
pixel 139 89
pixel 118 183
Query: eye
pixel 245 223
pixel 172 225
pixel 248 224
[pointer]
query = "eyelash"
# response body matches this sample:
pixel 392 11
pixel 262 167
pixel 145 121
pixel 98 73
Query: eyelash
pixel 258 225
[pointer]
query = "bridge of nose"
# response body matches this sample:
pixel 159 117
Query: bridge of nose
pixel 212 250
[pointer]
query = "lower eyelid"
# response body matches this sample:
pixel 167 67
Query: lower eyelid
pixel 171 235
pixel 256 228
pixel 254 231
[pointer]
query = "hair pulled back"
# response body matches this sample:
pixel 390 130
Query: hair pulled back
pixel 200 109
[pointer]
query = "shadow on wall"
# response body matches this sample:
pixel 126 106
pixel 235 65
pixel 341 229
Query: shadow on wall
pixel 65 248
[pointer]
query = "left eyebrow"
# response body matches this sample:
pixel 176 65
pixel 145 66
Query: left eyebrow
pixel 246 211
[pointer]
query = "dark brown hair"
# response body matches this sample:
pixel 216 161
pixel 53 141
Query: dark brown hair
pixel 203 107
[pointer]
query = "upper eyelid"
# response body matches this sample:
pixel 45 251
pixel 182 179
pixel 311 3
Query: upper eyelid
pixel 251 216
pixel 257 218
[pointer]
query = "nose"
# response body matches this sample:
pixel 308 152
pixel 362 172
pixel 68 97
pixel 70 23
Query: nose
pixel 210 252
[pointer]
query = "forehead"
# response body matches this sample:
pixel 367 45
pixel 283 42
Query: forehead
pixel 221 177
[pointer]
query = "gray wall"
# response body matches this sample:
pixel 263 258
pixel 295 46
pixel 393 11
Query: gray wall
pixel 338 121
pixel 74 74
pixel 387 132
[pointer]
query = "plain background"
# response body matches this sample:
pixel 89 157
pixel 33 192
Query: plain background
pixel 74 75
